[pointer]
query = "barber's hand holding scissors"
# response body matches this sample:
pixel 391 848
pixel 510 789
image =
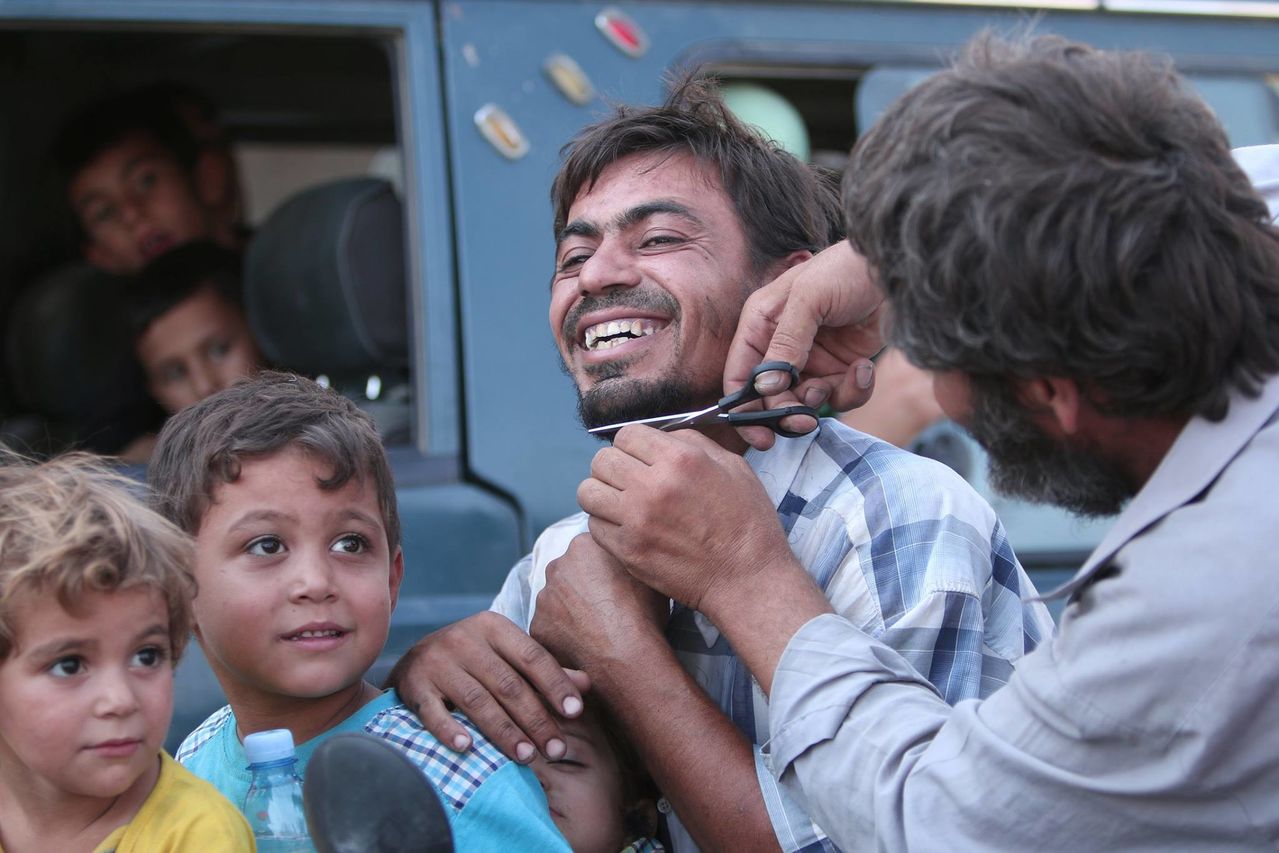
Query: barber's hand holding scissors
pixel 821 316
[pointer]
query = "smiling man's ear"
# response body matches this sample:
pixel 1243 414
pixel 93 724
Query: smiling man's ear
pixel 781 265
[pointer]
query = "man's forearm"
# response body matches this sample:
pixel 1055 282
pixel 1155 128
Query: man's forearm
pixel 703 765
pixel 760 618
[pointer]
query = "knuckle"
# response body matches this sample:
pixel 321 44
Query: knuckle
pixel 488 621
pixel 475 699
pixel 530 654
pixel 507 732
pixel 540 728
pixel 510 685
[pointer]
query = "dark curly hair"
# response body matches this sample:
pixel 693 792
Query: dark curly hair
pixel 1043 208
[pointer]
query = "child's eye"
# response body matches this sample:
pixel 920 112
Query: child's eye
pixel 171 373
pixel 146 179
pixel 567 762
pixel 102 215
pixel 218 349
pixel 351 543
pixel 149 657
pixel 67 666
pixel 266 546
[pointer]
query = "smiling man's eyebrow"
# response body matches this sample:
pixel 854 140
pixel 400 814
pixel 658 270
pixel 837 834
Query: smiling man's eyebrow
pixel 640 212
pixel 577 228
pixel 628 218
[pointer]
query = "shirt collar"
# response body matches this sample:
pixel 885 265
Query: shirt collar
pixel 1200 453
pixel 778 466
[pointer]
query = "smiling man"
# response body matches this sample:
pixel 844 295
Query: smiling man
pixel 666 220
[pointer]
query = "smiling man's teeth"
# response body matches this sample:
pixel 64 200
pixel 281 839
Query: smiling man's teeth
pixel 610 334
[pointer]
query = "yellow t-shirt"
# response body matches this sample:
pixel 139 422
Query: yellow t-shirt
pixel 183 814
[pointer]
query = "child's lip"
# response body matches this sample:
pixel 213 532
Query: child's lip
pixel 155 244
pixel 317 630
pixel 117 748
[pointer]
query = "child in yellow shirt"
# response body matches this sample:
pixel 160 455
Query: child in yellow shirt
pixel 95 608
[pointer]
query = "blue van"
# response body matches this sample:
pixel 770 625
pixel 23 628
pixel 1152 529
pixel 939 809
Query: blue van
pixel 395 158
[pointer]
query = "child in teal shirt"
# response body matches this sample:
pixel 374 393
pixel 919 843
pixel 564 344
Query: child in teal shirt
pixel 286 488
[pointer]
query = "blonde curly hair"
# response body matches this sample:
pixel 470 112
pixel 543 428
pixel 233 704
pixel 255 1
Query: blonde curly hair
pixel 72 525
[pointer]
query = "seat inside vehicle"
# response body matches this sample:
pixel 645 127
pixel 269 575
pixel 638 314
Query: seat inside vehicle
pixel 69 365
pixel 324 289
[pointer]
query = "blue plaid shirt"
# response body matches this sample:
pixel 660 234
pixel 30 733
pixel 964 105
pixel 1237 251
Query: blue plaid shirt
pixel 903 548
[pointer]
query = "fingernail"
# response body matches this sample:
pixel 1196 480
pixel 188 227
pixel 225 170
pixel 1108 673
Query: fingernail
pixel 461 742
pixel 814 397
pixel 767 383
pixel 524 752
pixel 572 706
pixel 864 376
pixel 555 749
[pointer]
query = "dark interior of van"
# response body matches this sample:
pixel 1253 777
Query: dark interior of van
pixel 297 110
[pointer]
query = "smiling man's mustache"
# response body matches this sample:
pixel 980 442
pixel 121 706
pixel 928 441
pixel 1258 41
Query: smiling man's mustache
pixel 656 301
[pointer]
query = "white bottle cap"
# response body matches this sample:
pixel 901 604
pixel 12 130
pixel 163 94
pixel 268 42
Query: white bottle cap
pixel 270 745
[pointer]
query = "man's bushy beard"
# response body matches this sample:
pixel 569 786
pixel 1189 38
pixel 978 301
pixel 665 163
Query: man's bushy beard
pixel 1026 463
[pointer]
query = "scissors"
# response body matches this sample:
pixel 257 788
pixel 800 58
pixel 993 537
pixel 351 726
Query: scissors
pixel 719 413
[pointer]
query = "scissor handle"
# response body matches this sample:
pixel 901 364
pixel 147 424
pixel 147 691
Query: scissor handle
pixel 772 418
pixel 747 392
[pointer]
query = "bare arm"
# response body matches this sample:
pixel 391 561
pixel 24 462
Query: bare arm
pixel 595 616
pixel 703 765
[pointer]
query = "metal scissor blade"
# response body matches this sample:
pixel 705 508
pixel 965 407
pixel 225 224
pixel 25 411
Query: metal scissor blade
pixel 659 422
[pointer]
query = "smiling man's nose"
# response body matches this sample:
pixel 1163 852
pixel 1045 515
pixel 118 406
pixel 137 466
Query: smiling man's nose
pixel 609 266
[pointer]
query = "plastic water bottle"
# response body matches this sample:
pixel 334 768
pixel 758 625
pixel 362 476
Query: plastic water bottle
pixel 274 802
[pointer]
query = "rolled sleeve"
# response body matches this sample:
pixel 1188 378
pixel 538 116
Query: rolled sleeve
pixel 828 667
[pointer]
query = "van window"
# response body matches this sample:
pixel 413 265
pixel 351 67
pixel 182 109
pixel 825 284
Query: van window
pixel 298 111
pixel 837 104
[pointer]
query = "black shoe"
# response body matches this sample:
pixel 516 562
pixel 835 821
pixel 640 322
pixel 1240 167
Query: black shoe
pixel 362 795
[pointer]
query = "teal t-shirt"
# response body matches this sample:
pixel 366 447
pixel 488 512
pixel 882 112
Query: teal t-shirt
pixel 493 803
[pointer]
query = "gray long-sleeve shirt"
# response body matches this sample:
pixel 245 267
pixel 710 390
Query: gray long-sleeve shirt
pixel 1151 721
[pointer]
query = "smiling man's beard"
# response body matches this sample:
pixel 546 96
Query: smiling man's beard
pixel 613 398
pixel 616 400
pixel 1027 463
